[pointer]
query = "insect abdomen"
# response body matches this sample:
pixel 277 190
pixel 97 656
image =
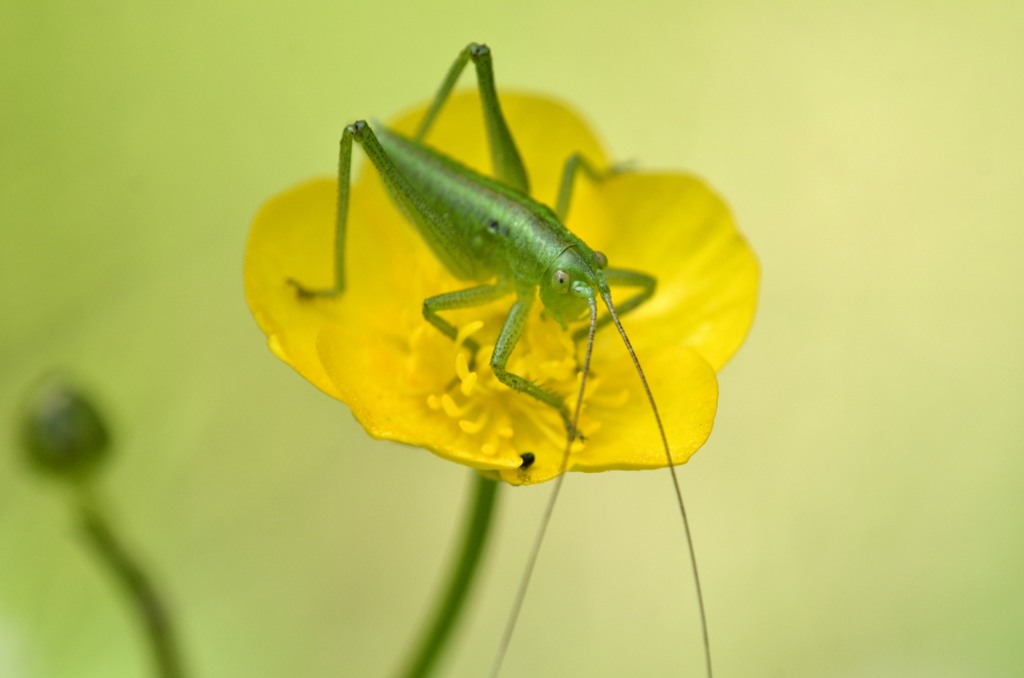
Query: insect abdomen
pixel 511 235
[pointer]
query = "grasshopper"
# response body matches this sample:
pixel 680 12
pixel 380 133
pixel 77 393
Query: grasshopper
pixel 491 233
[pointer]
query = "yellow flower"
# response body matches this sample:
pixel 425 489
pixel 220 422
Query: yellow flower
pixel 371 348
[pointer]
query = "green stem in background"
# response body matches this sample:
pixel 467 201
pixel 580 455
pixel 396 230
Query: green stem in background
pixel 476 530
pixel 140 589
pixel 64 436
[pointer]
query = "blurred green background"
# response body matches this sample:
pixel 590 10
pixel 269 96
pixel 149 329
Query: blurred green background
pixel 858 510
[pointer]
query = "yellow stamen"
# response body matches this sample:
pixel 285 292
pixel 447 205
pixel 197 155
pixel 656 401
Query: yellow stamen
pixel 467 378
pixel 451 408
pixel 472 427
pixel 466 330
pixel 487 410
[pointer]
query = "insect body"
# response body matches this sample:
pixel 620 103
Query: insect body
pixel 484 229
pixel 490 233
pixel 500 234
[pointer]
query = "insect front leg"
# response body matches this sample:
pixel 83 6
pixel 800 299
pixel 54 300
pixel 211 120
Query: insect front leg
pixel 624 277
pixel 505 159
pixel 511 331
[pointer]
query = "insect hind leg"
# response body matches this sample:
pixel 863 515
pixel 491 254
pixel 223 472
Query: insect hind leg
pixel 341 221
pixel 505 159
pixel 434 226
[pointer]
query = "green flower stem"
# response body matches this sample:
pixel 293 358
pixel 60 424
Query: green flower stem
pixel 137 584
pixel 476 530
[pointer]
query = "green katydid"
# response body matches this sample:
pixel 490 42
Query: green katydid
pixel 491 232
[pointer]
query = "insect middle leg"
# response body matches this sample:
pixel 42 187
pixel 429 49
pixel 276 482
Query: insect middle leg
pixel 510 334
pixel 622 277
pixel 575 164
pixel 467 298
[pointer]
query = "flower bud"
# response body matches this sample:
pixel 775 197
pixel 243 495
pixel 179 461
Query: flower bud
pixel 62 433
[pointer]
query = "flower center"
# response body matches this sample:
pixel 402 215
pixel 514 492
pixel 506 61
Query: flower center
pixel 498 420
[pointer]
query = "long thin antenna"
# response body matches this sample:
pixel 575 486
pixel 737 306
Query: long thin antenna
pixel 675 479
pixel 524 583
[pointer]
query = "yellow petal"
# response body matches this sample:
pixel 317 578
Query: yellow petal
pixel 391 398
pixel 371 348
pixel 288 232
pixel 292 238
pixel 686 391
pixel 392 402
pixel 675 228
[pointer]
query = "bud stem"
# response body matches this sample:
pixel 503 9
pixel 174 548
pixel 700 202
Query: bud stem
pixel 137 584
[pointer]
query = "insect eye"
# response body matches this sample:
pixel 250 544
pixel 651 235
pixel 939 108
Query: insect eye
pixel 560 281
pixel 601 260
